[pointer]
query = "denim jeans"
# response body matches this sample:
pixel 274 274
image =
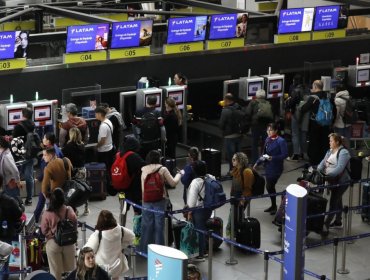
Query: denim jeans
pixel 299 138
pixel 200 218
pixel 152 225
pixel 336 203
pixel 40 206
pixel 13 192
pixel 258 139
pixel 232 146
pixel 4 269
pixel 27 172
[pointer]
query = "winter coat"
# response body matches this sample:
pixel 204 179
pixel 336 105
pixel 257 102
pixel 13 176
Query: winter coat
pixel 340 104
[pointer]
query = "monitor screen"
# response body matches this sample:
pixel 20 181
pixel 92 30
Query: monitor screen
pixel 158 95
pixel 275 86
pixel 253 87
pixel 14 116
pixel 363 75
pixel 241 25
pixel 177 96
pixel 186 29
pixel 42 113
pixel 13 44
pixel 131 34
pixel 83 38
pixel 326 17
pixel 223 26
pixel 295 20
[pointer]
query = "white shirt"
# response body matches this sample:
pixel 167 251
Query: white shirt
pixel 196 187
pixel 331 162
pixel 105 130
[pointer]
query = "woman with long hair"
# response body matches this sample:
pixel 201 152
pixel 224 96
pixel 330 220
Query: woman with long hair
pixel 172 120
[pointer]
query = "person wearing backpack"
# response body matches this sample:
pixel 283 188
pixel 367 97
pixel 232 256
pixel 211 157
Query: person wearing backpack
pixel 21 130
pixel 259 111
pixel 317 133
pixel 230 128
pixel 153 178
pixel 241 186
pixel 188 174
pixel 195 198
pixel 60 258
pixel 341 98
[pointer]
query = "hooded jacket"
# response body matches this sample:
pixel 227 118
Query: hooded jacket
pixel 109 251
pixel 227 121
pixel 340 102
pixel 8 169
pixel 19 130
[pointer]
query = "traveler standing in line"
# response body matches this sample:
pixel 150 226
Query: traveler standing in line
pixel 259 112
pixel 241 186
pixel 188 176
pixel 73 121
pixel 118 125
pixel 274 153
pixel 172 121
pixel 335 166
pixel 108 241
pixel 21 130
pixel 152 224
pixel 60 258
pixel 87 269
pixel 230 128
pixel 8 170
pixel 340 101
pixel 180 79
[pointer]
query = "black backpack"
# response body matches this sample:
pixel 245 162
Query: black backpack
pixel 240 120
pixel 258 188
pixel 66 233
pixel 32 143
pixel 350 114
pixel 150 129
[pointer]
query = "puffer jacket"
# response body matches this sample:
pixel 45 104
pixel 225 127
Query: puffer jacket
pixel 340 104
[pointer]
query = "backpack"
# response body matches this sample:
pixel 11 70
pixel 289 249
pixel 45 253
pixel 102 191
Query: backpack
pixel 121 180
pixel 214 195
pixel 66 233
pixel 258 187
pixel 153 187
pixel 355 167
pixel 32 143
pixel 264 111
pixel 150 130
pixel 324 115
pixel 350 114
pixel 240 121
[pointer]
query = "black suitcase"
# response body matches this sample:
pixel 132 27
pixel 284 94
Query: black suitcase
pixel 96 174
pixel 217 225
pixel 356 168
pixel 316 204
pixel 365 212
pixel 212 158
pixel 177 227
pixel 170 164
pixel 248 230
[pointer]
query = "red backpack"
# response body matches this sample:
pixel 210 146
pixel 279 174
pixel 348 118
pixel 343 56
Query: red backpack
pixel 153 187
pixel 121 180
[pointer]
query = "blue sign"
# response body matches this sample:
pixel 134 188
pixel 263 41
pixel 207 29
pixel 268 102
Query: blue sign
pixel 83 38
pixel 223 26
pixel 131 34
pixel 326 18
pixel 7 42
pixel 295 229
pixel 186 29
pixel 166 263
pixel 295 20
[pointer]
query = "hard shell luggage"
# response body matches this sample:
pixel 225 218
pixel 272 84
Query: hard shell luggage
pixel 217 225
pixel 316 204
pixel 248 230
pixel 212 158
pixel 170 164
pixel 96 174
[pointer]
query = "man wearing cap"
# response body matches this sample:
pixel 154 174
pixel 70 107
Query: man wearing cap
pixel 73 121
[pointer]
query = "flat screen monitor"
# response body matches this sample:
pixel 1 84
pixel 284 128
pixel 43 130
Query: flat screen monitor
pixel 363 75
pixel 42 113
pixel 84 38
pixel 178 96
pixel 186 29
pixel 253 87
pixel 129 34
pixel 295 20
pixel 13 44
pixel 14 116
pixel 330 17
pixel 275 86
pixel 223 26
pixel 158 95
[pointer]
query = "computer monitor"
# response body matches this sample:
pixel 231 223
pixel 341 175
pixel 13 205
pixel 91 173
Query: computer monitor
pixel 363 75
pixel 330 17
pixel 159 99
pixel 14 116
pixel 253 87
pixel 129 34
pixel 178 96
pixel 295 20
pixel 222 26
pixel 359 75
pixel 42 113
pixel 186 29
pixel 13 44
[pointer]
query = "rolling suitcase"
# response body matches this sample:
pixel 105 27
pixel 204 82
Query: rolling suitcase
pixel 316 204
pixel 170 164
pixel 217 225
pixel 248 230
pixel 96 174
pixel 212 158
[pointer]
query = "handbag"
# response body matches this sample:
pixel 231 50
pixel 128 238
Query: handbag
pixel 189 243
pixel 66 233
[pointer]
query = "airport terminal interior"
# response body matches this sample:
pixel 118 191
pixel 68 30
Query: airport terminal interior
pixel 122 52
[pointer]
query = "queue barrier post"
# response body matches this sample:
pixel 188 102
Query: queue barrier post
pixel 350 203
pixel 133 260
pixel 166 225
pixel 122 208
pixel 343 269
pixel 83 231
pixel 249 207
pixel 210 254
pixel 233 202
pixel 335 257
pixel 266 265
pixel 359 197
pixel 282 248
pixel 22 248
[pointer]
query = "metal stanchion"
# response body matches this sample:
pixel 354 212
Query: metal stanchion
pixel 210 254
pixel 266 265
pixel 123 208
pixel 350 203
pixel 282 248
pixel 22 253
pixel 133 260
pixel 232 260
pixel 335 257
pixel 83 231
pixel 360 195
pixel 166 228
pixel 343 269
pixel 248 207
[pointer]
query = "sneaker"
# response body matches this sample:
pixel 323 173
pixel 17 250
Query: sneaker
pixel 336 224
pixel 294 157
pixel 86 212
pixel 28 202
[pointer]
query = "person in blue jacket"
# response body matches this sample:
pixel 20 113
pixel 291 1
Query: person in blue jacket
pixel 189 174
pixel 274 153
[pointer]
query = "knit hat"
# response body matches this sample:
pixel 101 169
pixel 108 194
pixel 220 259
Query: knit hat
pixel 260 94
pixel 131 144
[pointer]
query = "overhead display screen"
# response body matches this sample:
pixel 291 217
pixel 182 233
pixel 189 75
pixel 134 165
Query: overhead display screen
pixel 83 38
pixel 131 34
pixel 186 29
pixel 330 17
pixel 223 26
pixel 295 20
pixel 13 44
